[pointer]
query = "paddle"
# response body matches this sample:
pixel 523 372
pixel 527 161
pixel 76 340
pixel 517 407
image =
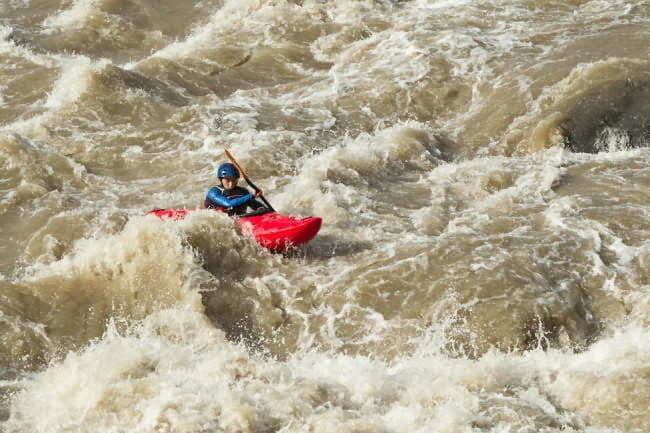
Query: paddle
pixel 248 181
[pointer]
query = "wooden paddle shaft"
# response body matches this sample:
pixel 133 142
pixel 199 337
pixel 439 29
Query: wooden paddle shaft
pixel 236 164
pixel 243 174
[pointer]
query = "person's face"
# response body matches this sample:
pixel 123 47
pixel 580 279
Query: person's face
pixel 229 182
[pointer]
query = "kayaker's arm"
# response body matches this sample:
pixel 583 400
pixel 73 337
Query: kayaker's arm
pixel 217 199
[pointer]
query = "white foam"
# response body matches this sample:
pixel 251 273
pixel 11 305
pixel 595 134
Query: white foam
pixel 365 156
pixel 72 82
pixel 390 53
pixel 9 47
pixel 612 140
pixel 233 14
pixel 73 18
pixel 440 4
pixel 5 31
pixel 177 373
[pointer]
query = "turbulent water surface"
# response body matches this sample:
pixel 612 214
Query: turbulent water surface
pixel 482 170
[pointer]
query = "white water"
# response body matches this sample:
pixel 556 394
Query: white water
pixel 473 273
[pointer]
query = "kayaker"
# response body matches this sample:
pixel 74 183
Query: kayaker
pixel 227 196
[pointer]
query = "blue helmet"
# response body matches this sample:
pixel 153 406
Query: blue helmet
pixel 227 170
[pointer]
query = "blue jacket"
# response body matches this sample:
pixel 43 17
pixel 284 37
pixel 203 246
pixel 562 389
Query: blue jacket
pixel 234 201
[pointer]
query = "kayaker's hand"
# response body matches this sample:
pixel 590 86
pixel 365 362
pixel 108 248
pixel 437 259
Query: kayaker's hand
pixel 258 193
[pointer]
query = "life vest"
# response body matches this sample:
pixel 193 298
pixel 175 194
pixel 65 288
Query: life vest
pixel 235 192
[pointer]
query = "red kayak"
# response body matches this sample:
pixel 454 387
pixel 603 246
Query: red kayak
pixel 272 230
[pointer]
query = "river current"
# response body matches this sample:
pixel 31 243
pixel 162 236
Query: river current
pixel 482 169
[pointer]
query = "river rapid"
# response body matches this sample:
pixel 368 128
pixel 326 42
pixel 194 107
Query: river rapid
pixel 483 174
